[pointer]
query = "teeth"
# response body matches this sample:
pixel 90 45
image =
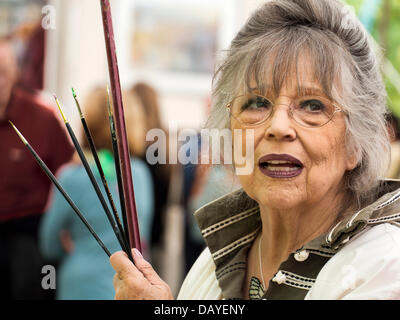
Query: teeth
pixel 278 162
pixel 282 168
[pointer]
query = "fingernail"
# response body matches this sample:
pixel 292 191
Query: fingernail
pixel 137 253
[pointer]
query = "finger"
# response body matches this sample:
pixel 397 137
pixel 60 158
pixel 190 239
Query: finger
pixel 119 287
pixel 116 280
pixel 146 269
pixel 123 266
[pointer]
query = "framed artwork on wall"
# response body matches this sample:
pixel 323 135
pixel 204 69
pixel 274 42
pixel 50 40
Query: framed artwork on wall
pixel 173 43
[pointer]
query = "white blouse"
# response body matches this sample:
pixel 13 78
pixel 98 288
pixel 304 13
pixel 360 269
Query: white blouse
pixel 366 268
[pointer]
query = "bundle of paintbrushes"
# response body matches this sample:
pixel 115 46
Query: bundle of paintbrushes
pixel 119 230
pixel 127 235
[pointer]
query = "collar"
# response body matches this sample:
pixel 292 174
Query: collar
pixel 230 224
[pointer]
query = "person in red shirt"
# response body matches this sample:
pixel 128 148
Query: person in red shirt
pixel 24 187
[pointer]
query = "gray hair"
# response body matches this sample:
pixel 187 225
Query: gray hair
pixel 346 64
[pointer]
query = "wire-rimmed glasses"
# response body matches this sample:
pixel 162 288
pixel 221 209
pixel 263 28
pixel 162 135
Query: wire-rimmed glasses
pixel 308 111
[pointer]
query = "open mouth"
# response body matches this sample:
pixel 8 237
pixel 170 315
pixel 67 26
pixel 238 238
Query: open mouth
pixel 280 166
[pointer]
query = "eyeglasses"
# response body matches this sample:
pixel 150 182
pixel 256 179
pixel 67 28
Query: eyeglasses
pixel 308 111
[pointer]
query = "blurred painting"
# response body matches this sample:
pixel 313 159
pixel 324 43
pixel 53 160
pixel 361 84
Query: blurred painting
pixel 174 37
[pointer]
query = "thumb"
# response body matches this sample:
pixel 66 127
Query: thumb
pixel 146 269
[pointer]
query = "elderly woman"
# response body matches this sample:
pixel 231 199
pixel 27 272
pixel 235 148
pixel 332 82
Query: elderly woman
pixel 313 220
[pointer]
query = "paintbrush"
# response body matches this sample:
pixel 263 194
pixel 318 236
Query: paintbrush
pixel 117 162
pixel 120 129
pixel 100 169
pixel 60 188
pixel 92 179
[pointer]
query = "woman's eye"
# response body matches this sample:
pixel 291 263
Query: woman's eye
pixel 256 103
pixel 312 106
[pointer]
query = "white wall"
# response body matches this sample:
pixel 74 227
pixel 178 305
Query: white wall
pixel 75 53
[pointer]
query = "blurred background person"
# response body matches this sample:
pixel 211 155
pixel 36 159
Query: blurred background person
pixel 203 183
pixel 160 173
pixel 33 56
pixel 24 187
pixel 168 241
pixel 210 182
pixel 84 271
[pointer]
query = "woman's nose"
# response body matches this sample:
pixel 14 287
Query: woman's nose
pixel 280 125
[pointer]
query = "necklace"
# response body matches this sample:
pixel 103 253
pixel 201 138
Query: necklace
pixel 257 288
pixel 260 263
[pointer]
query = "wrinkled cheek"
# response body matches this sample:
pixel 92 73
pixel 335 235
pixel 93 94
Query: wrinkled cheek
pixel 326 170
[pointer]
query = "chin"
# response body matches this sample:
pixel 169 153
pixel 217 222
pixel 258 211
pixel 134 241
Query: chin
pixel 278 197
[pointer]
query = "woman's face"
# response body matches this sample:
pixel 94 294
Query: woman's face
pixel 281 144
pixel 8 72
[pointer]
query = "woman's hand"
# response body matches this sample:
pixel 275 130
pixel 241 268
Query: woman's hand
pixel 137 281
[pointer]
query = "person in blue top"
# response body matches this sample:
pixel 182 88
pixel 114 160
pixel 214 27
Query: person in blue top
pixel 83 269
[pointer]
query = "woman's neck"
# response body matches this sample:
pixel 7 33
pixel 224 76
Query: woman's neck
pixel 284 231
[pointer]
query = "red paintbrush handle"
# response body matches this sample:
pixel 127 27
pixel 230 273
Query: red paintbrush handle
pixel 120 129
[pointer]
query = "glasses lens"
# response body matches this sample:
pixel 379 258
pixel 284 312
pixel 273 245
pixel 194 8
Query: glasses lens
pixel 251 109
pixel 308 111
pixel 312 111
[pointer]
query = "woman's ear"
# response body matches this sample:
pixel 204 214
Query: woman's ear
pixel 351 162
